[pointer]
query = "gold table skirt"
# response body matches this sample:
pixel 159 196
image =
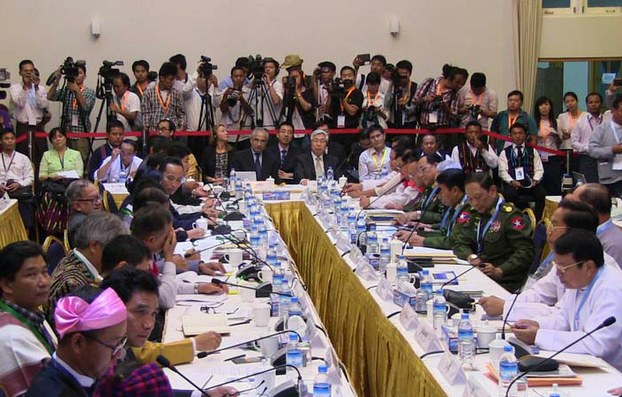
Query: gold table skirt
pixel 11 226
pixel 380 362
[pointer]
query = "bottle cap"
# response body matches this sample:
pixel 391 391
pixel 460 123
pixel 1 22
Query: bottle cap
pixel 508 348
pixel 322 369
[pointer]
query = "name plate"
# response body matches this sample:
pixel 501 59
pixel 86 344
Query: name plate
pixel 275 195
pixel 474 388
pixel 427 338
pixel 366 271
pixel 451 369
pixel 384 289
pixel 409 318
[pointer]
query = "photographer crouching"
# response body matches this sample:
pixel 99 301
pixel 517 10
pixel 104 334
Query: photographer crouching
pixel 78 102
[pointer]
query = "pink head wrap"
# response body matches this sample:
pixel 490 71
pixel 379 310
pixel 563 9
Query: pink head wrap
pixel 74 314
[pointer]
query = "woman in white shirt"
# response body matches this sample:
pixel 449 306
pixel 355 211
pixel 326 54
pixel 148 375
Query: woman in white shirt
pixel 548 137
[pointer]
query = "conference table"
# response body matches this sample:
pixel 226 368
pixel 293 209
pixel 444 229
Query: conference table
pixel 380 353
pixel 11 226
pixel 217 368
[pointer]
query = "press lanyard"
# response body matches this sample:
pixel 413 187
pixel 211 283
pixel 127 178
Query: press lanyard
pixel 74 103
pixel 480 235
pixel 121 102
pixel 35 330
pixel 375 159
pixel 429 199
pixel 168 99
pixel 584 298
pixel 61 160
pixel 6 169
pixel 511 121
pixel 123 167
pixel 524 159
pixel 589 121
pixel 455 216
pixel 345 98
pixel 370 101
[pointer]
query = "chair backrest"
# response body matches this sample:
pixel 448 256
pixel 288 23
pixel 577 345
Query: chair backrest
pixel 528 212
pixel 55 251
pixel 109 203
pixel 540 244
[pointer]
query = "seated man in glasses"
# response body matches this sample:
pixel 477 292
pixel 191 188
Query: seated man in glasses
pixel 84 198
pixel 91 326
pixel 544 289
pixel 592 295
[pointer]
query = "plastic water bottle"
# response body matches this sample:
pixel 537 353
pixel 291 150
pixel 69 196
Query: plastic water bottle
pixel 294 308
pixel 402 271
pixel 440 310
pixel 466 342
pixel 271 256
pixel 321 384
pixel 385 256
pixel 239 190
pixel 361 231
pixel 352 226
pixel 426 284
pixel 122 176
pixel 330 174
pixel 508 370
pixel 284 301
pixel 278 268
pixel 275 299
pixel 372 241
pixel 293 355
pixel 263 234
pixel 421 297
pixel 255 241
pixel 344 214
pixel 233 179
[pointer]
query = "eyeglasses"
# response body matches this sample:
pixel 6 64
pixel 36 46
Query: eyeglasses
pixel 553 227
pixel 92 200
pixel 115 349
pixel 562 269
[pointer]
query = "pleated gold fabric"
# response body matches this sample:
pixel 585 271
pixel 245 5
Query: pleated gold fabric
pixel 11 226
pixel 380 362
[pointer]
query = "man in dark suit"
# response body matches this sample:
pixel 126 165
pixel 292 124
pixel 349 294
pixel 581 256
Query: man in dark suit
pixel 254 158
pixel 285 152
pixel 315 161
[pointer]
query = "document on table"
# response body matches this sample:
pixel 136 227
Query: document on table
pixel 71 174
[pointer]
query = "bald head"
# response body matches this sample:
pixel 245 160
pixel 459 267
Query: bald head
pixel 597 196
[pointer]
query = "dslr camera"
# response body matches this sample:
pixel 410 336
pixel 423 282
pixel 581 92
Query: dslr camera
pixel 338 88
pixel 206 67
pixel 474 111
pixel 233 97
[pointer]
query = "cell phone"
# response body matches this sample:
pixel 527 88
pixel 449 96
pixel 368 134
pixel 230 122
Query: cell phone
pixel 366 58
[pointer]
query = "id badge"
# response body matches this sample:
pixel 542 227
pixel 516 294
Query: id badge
pixel 617 163
pixel 544 156
pixel 341 121
pixel 74 120
pixel 433 119
pixel 520 173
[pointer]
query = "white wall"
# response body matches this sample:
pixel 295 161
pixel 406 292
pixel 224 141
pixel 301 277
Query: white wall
pixel 474 34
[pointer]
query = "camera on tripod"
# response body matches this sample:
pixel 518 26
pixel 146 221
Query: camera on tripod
pixel 206 67
pixel 69 69
pixel 338 88
pixel 256 66
pixel 4 76
pixel 106 75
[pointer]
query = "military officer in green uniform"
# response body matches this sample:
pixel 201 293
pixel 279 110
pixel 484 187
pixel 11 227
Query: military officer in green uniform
pixel 451 185
pixel 493 234
pixel 429 209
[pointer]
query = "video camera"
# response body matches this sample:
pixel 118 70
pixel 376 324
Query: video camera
pixel 152 76
pixel 256 66
pixel 338 88
pixel 69 69
pixel 107 72
pixel 206 68
pixel 4 76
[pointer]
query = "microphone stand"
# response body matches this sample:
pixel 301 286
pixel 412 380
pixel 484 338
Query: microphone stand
pixel 286 331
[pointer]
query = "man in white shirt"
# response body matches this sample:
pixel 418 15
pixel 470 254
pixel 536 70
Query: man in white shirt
pixel 606 147
pixel 16 177
pixel 543 289
pixel 121 164
pixel 474 155
pixel 581 134
pixel 29 100
pixel 521 170
pixel 374 162
pixel 477 102
pixel 125 104
pixel 404 190
pixel 234 106
pixel 593 294
pixel 377 64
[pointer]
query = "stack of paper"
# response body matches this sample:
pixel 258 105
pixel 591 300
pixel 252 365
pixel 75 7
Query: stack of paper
pixel 195 324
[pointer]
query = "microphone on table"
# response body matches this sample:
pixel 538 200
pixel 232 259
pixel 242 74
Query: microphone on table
pixel 163 361
pixel 606 323
pixel 262 292
pixel 423 212
pixel 287 389
pixel 189 254
pixel 209 353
